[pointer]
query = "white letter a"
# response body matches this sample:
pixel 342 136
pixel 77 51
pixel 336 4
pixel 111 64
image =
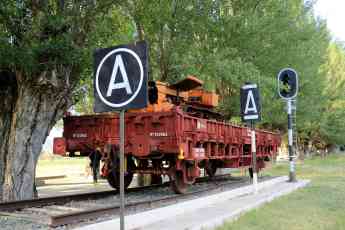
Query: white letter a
pixel 250 97
pixel 125 84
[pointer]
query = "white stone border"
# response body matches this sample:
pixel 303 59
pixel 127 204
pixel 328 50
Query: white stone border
pixel 142 219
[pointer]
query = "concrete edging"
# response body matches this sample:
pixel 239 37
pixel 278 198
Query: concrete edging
pixel 159 214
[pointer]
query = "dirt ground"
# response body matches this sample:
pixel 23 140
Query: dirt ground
pixel 70 175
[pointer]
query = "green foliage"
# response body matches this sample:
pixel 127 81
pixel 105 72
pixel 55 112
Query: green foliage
pixel 227 43
pixel 332 123
pixel 223 42
pixel 308 208
pixel 113 28
pixel 40 36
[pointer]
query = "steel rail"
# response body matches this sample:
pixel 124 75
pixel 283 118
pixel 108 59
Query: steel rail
pixel 39 202
pixel 17 205
pixel 77 216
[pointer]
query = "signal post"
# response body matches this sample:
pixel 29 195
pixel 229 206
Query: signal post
pixel 120 83
pixel 287 89
pixel 251 112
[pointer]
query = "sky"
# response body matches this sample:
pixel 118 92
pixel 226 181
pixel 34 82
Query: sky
pixel 334 12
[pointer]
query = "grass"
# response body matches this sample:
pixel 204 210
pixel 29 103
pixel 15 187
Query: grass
pixel 321 205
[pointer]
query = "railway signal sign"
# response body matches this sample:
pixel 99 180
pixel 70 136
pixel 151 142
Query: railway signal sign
pixel 251 112
pixel 287 89
pixel 287 83
pixel 250 103
pixel 120 83
pixel 120 80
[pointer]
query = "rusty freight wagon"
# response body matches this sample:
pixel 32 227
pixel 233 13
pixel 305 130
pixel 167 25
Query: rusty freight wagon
pixel 177 135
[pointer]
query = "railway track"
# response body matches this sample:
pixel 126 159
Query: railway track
pixel 53 212
pixel 39 202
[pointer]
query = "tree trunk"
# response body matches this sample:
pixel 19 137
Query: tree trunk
pixel 163 62
pixel 309 148
pixel 301 151
pixel 31 111
pixel 8 94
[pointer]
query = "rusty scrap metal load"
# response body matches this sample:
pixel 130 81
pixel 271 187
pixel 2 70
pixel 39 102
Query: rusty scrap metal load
pixel 178 134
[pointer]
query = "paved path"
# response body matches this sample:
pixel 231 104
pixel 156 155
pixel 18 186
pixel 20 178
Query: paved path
pixel 205 212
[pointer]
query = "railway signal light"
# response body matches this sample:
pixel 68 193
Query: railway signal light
pixel 287 89
pixel 287 83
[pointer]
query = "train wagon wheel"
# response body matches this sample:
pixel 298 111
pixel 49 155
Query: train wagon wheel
pixel 211 169
pixel 113 179
pixel 177 184
pixel 156 179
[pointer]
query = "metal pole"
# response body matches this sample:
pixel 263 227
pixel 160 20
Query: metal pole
pixel 122 153
pixel 253 145
pixel 292 173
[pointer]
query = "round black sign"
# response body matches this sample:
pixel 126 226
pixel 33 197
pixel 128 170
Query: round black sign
pixel 287 83
pixel 119 77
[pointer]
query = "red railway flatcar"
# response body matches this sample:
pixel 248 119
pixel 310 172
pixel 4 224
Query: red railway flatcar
pixel 174 139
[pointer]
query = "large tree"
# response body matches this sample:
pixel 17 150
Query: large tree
pixel 44 46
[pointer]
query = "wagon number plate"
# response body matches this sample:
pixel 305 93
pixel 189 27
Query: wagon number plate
pixel 79 135
pixel 158 134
